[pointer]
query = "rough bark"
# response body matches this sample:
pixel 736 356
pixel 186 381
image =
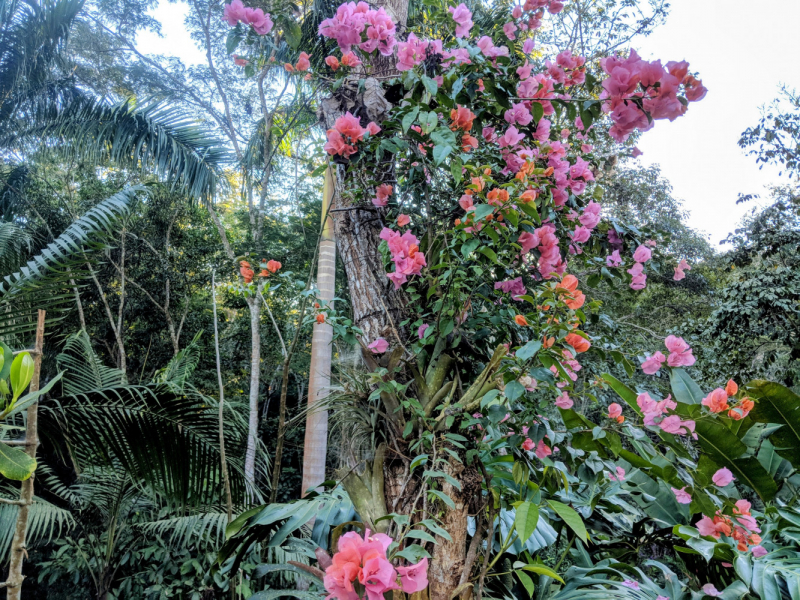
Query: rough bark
pixel 319 382
pixel 225 477
pixel 18 546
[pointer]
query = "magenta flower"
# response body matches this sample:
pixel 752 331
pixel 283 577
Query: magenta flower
pixel 759 551
pixel 642 254
pixel 509 29
pixel 421 330
pixel 680 352
pixel 723 477
pixel 614 259
pixel 564 401
pixel 682 496
pixel 379 346
pixel 414 578
pixel 709 590
pixel 653 363
pixel 463 18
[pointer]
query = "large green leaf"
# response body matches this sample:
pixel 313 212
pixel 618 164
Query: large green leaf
pixel 775 403
pixel 571 518
pixel 15 464
pixel 724 448
pixel 526 519
pixel 623 391
pixel 684 388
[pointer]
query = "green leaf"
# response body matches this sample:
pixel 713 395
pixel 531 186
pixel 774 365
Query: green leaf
pixel 529 350
pixel 571 518
pixel 21 373
pixel 409 118
pixel 623 391
pixel 725 449
pixel 482 211
pixel 541 569
pixel 778 404
pixel 440 153
pixel 684 388
pixel 16 464
pixel 421 535
pixel 444 497
pixel 292 33
pixel 430 85
pixel 232 41
pixel 514 389
pixel 413 553
pixel 488 253
pixel 428 121
pixel 8 358
pixel 538 111
pixel 527 516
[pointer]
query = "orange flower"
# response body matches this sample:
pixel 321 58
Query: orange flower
pixel 462 118
pixel 578 299
pixel 478 183
pixel 528 196
pixel 578 342
pixel 458 222
pixel 521 321
pixel 469 143
pixel 316 304
pixel 499 218
pixel 549 171
pixel 246 272
pixel 569 284
pixel 548 342
pixel 497 196
pixel 273 266
pixel 731 388
pixel 320 318
pixel 289 68
pixel 263 273
pixel 747 404
pixel 487 171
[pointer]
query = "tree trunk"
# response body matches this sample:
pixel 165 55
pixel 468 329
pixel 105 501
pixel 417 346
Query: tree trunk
pixel 18 548
pixel 225 477
pixel 319 382
pixel 254 305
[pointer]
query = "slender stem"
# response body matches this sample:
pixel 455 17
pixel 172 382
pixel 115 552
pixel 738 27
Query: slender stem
pixel 222 458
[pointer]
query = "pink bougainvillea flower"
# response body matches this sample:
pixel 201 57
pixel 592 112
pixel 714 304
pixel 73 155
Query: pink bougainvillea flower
pixel 723 477
pixel 233 13
pixel 332 62
pixel 653 363
pixel 414 578
pixel 465 202
pixel 630 583
pixel 636 152
pixel 620 475
pixel 680 352
pixel 564 401
pixel 673 424
pixel 614 259
pixel 382 194
pixel 709 590
pixel 758 551
pixel 528 46
pixel 403 220
pixel 373 128
pixel 679 270
pixel 716 401
pixel 543 450
pixel 614 410
pixel 421 330
pixel 379 346
pixel 682 496
pixel 302 62
pixel 642 254
pixel 509 29
pixel 638 277
pixel 463 18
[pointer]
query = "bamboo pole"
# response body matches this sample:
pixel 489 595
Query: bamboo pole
pixel 316 437
pixel 18 550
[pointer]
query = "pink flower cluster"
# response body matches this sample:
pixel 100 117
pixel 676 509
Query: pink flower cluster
pixel 414 51
pixel 407 258
pixel 363 560
pixel 346 132
pixel 362 26
pixel 680 356
pixel 634 86
pixel 515 287
pixel 545 240
pixel 679 270
pixel 655 414
pixel 236 12
pixel 568 69
pixel 742 527
pixel 638 277
pixel 463 18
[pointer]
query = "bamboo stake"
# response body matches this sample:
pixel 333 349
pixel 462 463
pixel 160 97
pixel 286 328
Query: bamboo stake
pixel 18 549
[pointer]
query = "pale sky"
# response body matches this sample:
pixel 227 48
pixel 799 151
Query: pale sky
pixel 742 50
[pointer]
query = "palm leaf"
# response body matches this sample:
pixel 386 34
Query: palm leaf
pixel 45 281
pixel 84 371
pixel 45 521
pixel 161 438
pixel 177 372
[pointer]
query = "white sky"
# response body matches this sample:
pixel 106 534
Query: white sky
pixel 742 49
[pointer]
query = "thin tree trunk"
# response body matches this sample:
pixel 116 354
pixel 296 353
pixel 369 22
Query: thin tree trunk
pixel 225 477
pixel 316 438
pixel 18 548
pixel 254 305
pixel 123 360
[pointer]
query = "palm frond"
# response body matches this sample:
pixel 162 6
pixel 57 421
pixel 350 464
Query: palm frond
pixel 157 137
pixel 177 372
pixel 46 280
pixel 182 531
pixel 84 371
pixel 45 521
pixel 161 438
pixel 14 245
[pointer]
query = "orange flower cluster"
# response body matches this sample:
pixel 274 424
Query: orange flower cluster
pixel 574 298
pixel 247 273
pixel 717 401
pixel 461 118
